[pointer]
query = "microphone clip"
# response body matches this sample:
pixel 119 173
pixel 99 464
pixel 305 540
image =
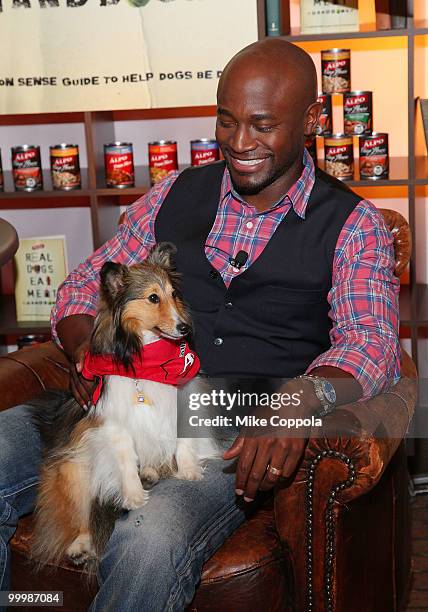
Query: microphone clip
pixel 239 260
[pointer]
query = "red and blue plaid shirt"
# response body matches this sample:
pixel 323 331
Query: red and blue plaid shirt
pixel 363 298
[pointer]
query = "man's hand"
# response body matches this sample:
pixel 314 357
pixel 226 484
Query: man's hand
pixel 81 388
pixel 269 447
pixel 74 333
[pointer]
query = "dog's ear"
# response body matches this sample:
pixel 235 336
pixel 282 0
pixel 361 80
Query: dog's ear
pixel 112 277
pixel 163 255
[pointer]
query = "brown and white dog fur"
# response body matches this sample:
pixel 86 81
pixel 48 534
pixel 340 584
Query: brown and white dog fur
pixel 96 461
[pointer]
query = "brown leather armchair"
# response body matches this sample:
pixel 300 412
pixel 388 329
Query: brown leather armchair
pixel 336 538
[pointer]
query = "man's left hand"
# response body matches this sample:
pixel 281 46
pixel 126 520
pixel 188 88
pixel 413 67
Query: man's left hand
pixel 266 456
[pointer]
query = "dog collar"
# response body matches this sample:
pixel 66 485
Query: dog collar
pixel 165 361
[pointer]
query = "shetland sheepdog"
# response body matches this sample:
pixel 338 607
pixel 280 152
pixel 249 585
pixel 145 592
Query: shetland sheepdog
pixel 96 462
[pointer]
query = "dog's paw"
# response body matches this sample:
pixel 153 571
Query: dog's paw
pixel 134 500
pixel 81 550
pixel 149 476
pixel 191 472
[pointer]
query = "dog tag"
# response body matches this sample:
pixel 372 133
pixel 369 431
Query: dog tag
pixel 140 397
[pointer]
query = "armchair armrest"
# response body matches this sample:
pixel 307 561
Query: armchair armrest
pixel 336 475
pixel 25 373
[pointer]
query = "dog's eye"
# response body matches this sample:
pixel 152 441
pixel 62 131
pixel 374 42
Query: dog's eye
pixel 153 298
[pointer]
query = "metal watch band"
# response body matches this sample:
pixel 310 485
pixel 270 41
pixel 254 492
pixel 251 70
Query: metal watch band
pixel 326 406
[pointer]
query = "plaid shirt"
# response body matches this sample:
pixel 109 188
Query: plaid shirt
pixel 363 298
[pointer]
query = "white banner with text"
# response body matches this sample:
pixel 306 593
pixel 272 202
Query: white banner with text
pixel 77 55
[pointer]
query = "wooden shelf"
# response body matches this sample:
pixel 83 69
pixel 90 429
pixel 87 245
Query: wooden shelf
pixel 421 170
pixel 41 118
pixel 47 197
pixel 10 326
pixel 82 197
pixel 398 174
pixel 164 113
pixel 296 36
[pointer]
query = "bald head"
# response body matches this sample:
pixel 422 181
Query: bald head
pixel 287 67
pixel 266 105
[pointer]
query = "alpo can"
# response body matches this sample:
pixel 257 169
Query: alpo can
pixel 65 167
pixel 339 156
pixel 204 151
pixel 119 165
pixel 162 159
pixel 358 112
pixel 27 168
pixel 374 158
pixel 336 70
pixel 325 122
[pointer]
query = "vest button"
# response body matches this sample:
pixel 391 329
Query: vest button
pixel 228 305
pixel 218 341
pixel 213 274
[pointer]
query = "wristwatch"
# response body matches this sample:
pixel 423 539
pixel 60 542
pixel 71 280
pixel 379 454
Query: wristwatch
pixel 324 391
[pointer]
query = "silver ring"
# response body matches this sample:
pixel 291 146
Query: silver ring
pixel 275 471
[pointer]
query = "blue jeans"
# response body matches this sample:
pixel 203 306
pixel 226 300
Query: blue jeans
pixel 154 557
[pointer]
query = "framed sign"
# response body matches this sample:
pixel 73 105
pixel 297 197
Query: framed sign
pixel 40 266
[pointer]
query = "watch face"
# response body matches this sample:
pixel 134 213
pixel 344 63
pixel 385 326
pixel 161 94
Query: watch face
pixel 329 392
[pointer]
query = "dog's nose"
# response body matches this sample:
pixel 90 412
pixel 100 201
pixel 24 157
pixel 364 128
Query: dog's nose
pixel 183 328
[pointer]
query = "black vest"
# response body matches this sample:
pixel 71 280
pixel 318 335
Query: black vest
pixel 273 320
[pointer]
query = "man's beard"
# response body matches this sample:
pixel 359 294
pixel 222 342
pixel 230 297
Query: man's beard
pixel 253 188
pixel 257 186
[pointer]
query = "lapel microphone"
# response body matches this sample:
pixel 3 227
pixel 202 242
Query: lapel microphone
pixel 239 260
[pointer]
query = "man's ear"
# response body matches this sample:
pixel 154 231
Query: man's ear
pixel 162 255
pixel 313 113
pixel 112 278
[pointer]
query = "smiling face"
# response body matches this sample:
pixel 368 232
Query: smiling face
pixel 263 115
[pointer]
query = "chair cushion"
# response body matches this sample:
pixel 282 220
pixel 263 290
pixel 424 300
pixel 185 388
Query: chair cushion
pixel 247 572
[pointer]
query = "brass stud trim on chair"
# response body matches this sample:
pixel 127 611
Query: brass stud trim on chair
pixel 329 528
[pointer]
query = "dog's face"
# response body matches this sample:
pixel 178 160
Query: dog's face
pixel 142 299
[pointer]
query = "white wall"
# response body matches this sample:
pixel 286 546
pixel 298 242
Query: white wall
pixel 74 223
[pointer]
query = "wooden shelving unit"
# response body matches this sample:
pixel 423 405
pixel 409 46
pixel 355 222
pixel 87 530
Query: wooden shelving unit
pixel 410 171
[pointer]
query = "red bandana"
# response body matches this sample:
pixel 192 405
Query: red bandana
pixel 166 361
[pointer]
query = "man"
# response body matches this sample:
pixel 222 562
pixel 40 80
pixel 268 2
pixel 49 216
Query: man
pixel 316 294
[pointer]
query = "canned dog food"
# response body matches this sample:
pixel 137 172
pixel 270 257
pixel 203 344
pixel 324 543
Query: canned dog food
pixel 119 165
pixel 311 147
pixel 65 168
pixel 325 122
pixel 374 160
pixel 27 168
pixel 162 159
pixel 204 151
pixel 339 156
pixel 357 112
pixel 336 70
pixel 1 175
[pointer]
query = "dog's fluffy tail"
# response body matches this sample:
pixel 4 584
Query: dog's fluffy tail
pixel 101 523
pixel 55 414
